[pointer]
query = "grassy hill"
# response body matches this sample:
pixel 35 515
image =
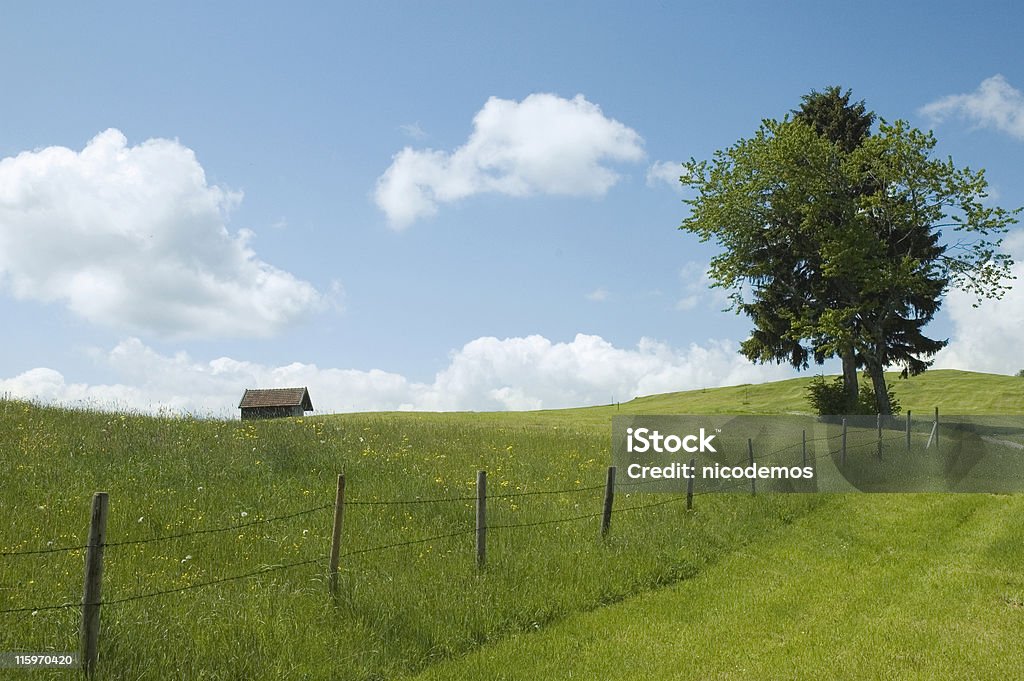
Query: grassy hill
pixel 223 530
pixel 954 392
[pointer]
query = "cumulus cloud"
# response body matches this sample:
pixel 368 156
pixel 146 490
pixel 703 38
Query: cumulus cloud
pixel 133 237
pixel 544 144
pixel 987 338
pixel 665 172
pixel 488 373
pixel 995 104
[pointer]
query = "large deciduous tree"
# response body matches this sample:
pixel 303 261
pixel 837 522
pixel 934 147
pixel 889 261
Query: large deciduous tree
pixel 832 238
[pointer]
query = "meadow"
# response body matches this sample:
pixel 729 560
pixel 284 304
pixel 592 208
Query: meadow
pixel 197 501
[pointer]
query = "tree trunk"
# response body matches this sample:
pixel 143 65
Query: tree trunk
pixel 877 372
pixel 850 379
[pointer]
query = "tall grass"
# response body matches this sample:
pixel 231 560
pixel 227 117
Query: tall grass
pixel 399 609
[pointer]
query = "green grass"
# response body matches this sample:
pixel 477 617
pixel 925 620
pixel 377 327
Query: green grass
pixel 424 608
pixel 400 609
pixel 954 392
pixel 877 586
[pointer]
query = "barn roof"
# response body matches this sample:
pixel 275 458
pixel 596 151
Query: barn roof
pixel 277 397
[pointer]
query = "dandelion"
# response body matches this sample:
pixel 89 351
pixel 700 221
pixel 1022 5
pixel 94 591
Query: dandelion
pixel 245 514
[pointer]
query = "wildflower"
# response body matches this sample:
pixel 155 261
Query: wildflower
pixel 244 514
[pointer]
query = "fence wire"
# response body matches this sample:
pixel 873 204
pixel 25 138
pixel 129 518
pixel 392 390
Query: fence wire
pixel 675 498
pixel 167 537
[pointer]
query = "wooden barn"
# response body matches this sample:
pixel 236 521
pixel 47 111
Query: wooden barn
pixel 274 403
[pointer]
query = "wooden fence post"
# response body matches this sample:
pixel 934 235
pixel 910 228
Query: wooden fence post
pixel 879 425
pixel 689 484
pixel 908 430
pixel 481 518
pixel 609 499
pixel 750 455
pixel 843 460
pixel 92 593
pixel 339 515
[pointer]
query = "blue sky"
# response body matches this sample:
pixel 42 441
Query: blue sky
pixel 432 206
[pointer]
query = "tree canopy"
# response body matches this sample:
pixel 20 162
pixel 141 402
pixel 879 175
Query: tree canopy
pixel 833 238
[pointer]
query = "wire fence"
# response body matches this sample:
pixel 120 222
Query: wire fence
pixel 270 568
pixel 323 559
pixel 168 537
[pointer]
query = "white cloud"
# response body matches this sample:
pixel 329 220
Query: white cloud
pixel 665 172
pixel 987 338
pixel 485 374
pixel 697 288
pixel 413 130
pixel 542 145
pixel 687 302
pixel 598 295
pixel 134 238
pixel 995 104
